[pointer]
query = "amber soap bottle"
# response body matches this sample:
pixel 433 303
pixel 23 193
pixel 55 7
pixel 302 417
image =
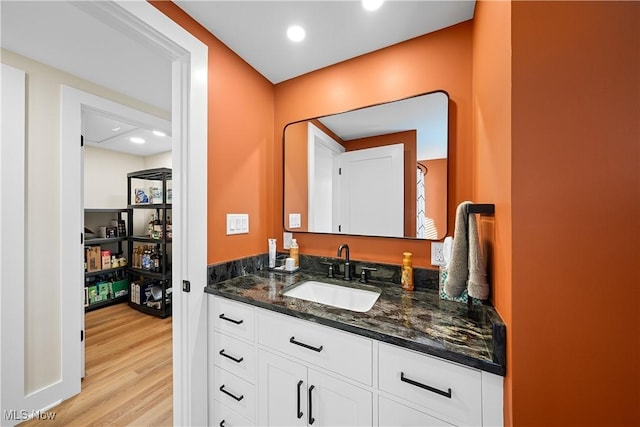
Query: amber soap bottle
pixel 407 272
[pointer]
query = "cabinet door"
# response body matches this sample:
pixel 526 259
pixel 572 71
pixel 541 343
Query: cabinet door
pixel 282 391
pixel 337 403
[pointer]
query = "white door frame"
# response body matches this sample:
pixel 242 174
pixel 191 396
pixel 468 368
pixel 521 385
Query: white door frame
pixel 12 240
pixel 189 131
pixel 189 214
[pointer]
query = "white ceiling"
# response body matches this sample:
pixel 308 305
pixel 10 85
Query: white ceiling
pixel 336 30
pixel 114 133
pixel 63 35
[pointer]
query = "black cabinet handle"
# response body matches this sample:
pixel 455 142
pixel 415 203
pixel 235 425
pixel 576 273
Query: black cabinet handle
pixel 222 353
pixel 223 317
pixel 424 386
pixel 231 394
pixel 311 419
pixel 299 414
pixel 301 344
pixel 221 423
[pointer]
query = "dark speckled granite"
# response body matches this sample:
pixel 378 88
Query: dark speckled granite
pixel 419 320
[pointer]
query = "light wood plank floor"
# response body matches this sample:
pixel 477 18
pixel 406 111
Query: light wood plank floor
pixel 128 378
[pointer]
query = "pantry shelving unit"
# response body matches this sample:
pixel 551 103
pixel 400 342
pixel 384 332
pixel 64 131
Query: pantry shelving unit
pixel 104 286
pixel 150 285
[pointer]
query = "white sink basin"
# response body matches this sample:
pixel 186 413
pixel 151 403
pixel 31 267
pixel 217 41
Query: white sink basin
pixel 353 299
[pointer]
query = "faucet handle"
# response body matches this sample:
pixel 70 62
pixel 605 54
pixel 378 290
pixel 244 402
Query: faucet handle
pixel 363 273
pixel 330 272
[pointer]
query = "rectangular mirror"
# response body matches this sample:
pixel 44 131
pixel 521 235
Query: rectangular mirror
pixel 375 171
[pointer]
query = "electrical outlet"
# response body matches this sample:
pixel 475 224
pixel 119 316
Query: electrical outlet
pixel 437 253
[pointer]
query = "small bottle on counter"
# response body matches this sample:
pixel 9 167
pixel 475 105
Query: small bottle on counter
pixel 294 252
pixel 406 277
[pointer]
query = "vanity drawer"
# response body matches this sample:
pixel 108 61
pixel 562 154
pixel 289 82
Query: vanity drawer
pixel 235 393
pixel 227 418
pixel 444 389
pixel 393 414
pixel 234 318
pixel 329 348
pixel 237 357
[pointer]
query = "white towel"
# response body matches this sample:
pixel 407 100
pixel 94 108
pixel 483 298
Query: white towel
pixel 467 268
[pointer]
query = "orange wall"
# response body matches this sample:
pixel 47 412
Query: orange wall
pixel 492 155
pixel 437 61
pixel 576 213
pixel 296 173
pixel 240 155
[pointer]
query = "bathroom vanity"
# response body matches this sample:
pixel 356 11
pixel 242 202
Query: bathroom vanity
pixel 412 359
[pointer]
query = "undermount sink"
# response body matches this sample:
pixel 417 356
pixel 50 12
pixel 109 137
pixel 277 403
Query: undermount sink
pixel 354 299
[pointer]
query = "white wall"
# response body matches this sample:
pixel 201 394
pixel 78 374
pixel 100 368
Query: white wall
pixel 162 160
pixel 105 178
pixel 42 287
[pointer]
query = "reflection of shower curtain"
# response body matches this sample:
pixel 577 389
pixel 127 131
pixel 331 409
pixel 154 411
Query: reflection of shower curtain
pixel 420 205
pixel 425 227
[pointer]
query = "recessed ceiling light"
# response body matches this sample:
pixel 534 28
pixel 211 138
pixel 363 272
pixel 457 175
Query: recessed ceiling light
pixel 136 140
pixel 159 133
pixel 372 5
pixel 295 33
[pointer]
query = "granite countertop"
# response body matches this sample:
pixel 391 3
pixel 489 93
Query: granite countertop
pixel 472 335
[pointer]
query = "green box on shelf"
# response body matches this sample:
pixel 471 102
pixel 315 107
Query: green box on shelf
pixel 92 292
pixel 120 288
pixel 104 290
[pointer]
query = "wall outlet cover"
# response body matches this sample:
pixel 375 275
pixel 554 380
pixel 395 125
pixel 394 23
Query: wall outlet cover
pixel 286 240
pixel 437 253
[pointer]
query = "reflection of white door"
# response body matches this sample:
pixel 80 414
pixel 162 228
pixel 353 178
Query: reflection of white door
pixel 322 150
pixel 371 196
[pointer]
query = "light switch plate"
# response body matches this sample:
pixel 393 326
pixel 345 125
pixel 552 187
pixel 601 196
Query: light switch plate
pixel 294 220
pixel 286 240
pixel 237 224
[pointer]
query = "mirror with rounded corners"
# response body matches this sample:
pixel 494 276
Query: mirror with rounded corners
pixel 375 171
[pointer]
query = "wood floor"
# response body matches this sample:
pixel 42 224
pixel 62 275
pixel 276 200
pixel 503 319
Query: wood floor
pixel 128 379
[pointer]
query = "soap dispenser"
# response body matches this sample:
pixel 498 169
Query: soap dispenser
pixel 406 277
pixel 294 252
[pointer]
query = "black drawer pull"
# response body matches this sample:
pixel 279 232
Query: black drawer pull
pixel 311 419
pixel 222 353
pixel 301 344
pixel 223 317
pixel 424 386
pixel 230 394
pixel 299 414
pixel 222 423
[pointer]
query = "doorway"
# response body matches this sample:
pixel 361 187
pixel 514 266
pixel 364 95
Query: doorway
pixel 189 117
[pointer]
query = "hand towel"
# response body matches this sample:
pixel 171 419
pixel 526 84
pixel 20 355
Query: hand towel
pixel 477 285
pixel 466 269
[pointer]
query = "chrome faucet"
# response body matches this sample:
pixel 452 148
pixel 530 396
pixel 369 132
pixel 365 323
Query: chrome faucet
pixel 347 265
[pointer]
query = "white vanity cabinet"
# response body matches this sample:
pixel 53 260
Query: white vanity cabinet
pixel 271 369
pixel 308 374
pixel 292 394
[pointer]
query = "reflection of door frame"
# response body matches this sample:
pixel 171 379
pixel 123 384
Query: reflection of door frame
pixel 189 123
pixel 317 199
